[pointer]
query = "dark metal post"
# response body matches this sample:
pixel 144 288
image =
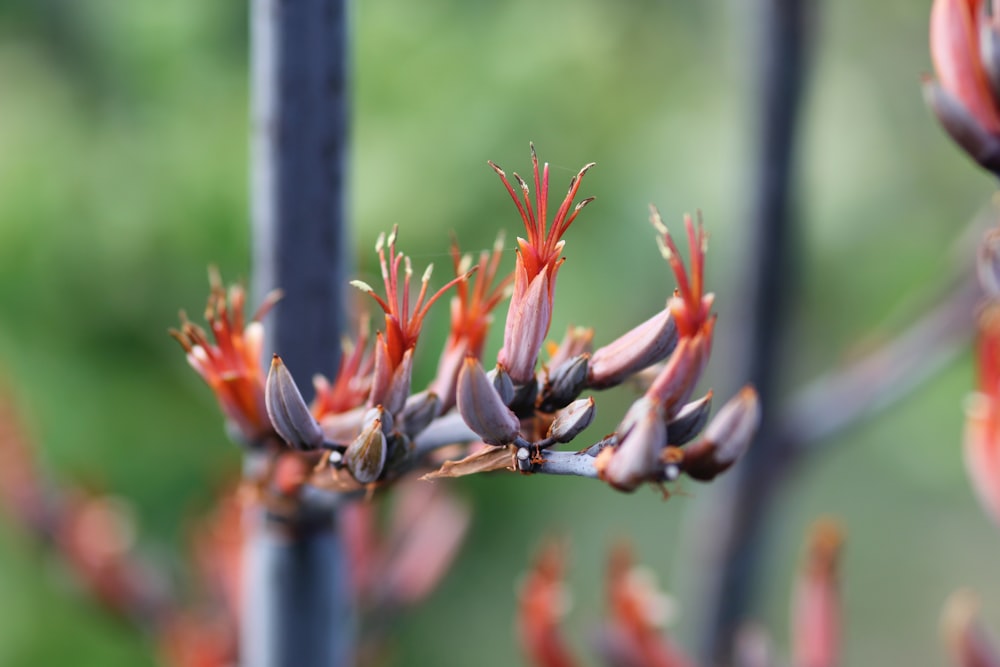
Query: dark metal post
pixel 298 608
pixel 732 536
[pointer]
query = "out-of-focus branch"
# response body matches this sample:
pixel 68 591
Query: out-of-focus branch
pixel 298 608
pixel 845 396
pixel 92 534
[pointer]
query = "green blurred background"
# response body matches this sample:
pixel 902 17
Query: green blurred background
pixel 123 174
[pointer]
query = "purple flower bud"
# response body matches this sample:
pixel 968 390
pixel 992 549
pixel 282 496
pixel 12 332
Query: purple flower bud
pixel 572 420
pixel 564 384
pixel 365 456
pixel 641 437
pixel 482 408
pixel 287 409
pixel 419 411
pixel 728 435
pixel 633 351
pixel 689 420
pixel 577 341
pixel 502 383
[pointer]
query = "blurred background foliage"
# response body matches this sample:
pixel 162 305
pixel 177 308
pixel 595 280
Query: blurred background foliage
pixel 123 174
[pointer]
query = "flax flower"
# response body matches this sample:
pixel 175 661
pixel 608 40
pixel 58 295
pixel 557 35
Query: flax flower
pixel 232 364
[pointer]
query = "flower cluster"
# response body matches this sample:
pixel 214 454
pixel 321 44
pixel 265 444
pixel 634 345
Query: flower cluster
pixel 368 426
pixel 231 365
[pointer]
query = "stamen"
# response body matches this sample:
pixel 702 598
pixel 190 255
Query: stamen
pixel 363 286
pixel 664 250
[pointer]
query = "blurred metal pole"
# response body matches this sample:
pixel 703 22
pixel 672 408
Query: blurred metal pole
pixel 297 604
pixel 732 535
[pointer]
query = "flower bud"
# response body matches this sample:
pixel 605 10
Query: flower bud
pixel 577 341
pixel 482 408
pixel 448 368
pixel 399 452
pixel 677 378
pixel 365 456
pixel 633 351
pixel 564 384
pixel 572 420
pixel 963 127
pixel 641 438
pixel 689 420
pixel 288 410
pixel 502 383
pixel 419 411
pixel 523 401
pixel 728 435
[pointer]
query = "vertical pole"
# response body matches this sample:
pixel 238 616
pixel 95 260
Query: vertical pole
pixel 732 535
pixel 297 603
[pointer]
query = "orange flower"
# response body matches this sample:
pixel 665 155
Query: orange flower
pixel 232 365
pixel 816 601
pixel 542 606
pixel 394 351
pixel 639 610
pixel 354 377
pixel 471 316
pixel 538 261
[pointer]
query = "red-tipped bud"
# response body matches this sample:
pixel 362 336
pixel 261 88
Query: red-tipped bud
pixel 365 456
pixel 288 411
pixel 678 377
pixel 482 408
pixel 633 351
pixel 728 435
